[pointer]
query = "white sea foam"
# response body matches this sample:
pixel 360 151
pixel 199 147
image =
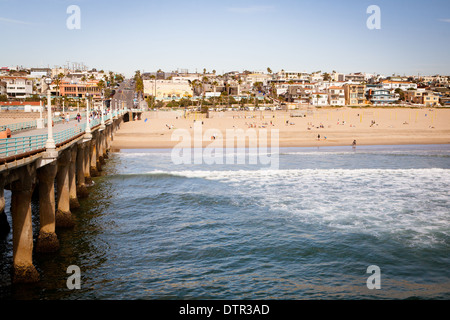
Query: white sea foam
pixel 409 205
pixel 292 173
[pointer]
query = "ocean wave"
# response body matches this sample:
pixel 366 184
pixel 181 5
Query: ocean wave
pixel 292 173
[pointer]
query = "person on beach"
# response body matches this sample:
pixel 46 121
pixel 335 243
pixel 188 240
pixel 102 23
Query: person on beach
pixel 354 144
pixel 318 137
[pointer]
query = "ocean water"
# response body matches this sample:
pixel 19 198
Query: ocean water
pixel 308 230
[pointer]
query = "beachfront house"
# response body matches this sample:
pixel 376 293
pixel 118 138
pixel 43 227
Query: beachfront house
pixel 336 96
pixel 319 99
pixel 18 87
pixel 403 85
pixel 355 94
pixel 430 99
pixel 380 96
pixel 414 96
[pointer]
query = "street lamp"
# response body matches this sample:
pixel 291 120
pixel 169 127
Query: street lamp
pixel 102 123
pixel 50 144
pixel 40 121
pixel 88 118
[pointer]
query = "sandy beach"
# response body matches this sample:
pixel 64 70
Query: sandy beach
pixel 336 127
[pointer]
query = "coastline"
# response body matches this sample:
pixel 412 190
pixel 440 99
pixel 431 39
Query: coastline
pixel 336 127
pixel 134 144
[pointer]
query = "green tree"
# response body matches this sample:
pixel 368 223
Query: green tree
pixel 139 82
pixel 401 93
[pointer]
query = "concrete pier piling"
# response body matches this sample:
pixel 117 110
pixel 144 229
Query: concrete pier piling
pixel 82 191
pixel 73 198
pixel 63 215
pixel 47 240
pixel 22 190
pixel 71 165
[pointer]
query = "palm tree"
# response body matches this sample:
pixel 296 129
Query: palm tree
pixel 214 84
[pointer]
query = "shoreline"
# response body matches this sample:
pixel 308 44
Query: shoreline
pixel 167 147
pixel 336 127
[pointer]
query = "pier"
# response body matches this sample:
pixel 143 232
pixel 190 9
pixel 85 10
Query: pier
pixel 60 175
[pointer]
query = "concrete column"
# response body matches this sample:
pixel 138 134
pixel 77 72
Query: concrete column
pixel 73 199
pixel 47 240
pixel 87 163
pixel 82 191
pixel 94 170
pixel 63 214
pixel 22 189
pixel 111 131
pixel 4 225
pixel 108 140
pixel 102 151
pixel 100 160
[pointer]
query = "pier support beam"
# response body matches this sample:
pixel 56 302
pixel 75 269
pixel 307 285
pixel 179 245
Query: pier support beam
pixel 101 149
pixel 22 189
pixel 73 199
pixel 82 191
pixel 87 163
pixel 4 225
pixel 93 168
pixel 47 240
pixel 63 214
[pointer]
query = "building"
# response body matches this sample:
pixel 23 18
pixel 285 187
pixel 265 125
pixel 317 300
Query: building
pixel 319 99
pixel 77 89
pixel 336 96
pixel 18 87
pixel 293 75
pixel 377 95
pixel 355 77
pixel 173 89
pixel 40 72
pixel 414 96
pixel 297 94
pixel 430 99
pixel 355 94
pixel 2 88
pixel 252 78
pixel 20 106
pixel 403 85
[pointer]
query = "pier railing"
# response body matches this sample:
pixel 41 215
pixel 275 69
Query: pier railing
pixel 17 146
pixel 14 146
pixel 15 127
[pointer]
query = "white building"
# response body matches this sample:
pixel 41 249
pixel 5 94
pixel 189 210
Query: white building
pixel 176 88
pixel 18 87
pixel 40 72
pixel 319 99
pixel 336 96
pixel 389 85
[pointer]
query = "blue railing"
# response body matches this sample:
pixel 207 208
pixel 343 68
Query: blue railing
pixel 15 127
pixel 17 146
pixel 14 146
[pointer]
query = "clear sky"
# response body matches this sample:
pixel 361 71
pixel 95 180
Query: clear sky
pixel 228 35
